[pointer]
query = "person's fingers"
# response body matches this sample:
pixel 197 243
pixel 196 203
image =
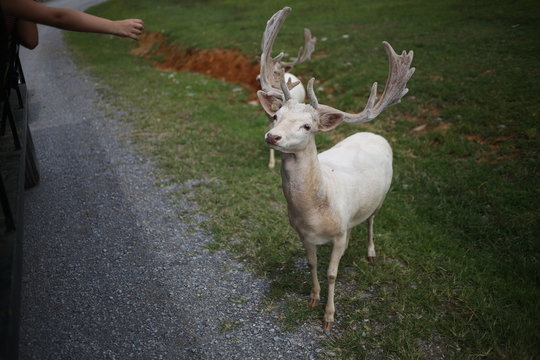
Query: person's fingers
pixel 131 28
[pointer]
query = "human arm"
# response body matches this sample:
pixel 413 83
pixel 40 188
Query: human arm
pixel 69 19
pixel 27 33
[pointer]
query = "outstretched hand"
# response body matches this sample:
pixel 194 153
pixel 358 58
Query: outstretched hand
pixel 130 28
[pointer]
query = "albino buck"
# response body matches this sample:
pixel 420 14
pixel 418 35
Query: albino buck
pixel 279 67
pixel 330 193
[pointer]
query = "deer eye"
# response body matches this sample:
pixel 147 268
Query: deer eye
pixel 274 117
pixel 307 127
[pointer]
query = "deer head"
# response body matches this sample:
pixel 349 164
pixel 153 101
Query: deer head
pixel 295 123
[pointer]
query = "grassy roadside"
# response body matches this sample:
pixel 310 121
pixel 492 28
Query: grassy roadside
pixel 457 239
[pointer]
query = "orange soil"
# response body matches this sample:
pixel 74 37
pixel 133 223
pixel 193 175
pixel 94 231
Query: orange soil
pixel 225 64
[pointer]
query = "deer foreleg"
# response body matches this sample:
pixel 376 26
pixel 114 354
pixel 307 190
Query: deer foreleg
pixel 272 161
pixel 371 245
pixel 315 296
pixel 337 252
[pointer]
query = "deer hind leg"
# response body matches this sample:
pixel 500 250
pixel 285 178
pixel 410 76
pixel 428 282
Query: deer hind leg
pixel 348 238
pixel 272 161
pixel 315 296
pixel 371 245
pixel 337 252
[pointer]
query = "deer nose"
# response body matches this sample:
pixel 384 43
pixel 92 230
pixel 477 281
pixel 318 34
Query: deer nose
pixel 272 139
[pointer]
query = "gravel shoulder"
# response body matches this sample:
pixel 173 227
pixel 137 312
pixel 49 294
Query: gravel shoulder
pixel 113 268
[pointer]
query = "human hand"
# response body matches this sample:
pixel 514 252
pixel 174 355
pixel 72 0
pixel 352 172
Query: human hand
pixel 130 28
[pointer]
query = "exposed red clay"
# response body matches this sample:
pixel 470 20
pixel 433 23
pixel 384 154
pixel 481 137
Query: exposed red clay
pixel 225 64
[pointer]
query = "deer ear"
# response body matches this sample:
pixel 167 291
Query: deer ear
pixel 329 121
pixel 269 103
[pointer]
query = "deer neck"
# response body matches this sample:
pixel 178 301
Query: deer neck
pixel 302 180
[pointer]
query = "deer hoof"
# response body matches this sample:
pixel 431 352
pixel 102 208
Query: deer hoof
pixel 371 259
pixel 313 302
pixel 327 325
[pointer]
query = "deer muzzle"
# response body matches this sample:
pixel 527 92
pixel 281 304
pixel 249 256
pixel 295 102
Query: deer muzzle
pixel 272 139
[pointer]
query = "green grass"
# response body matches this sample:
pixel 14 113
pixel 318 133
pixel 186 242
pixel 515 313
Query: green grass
pixel 458 236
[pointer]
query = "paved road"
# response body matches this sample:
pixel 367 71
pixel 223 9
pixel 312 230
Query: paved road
pixel 112 268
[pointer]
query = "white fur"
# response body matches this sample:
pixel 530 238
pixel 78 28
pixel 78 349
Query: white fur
pixel 298 92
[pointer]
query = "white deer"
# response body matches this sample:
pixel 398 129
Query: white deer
pixel 279 67
pixel 329 193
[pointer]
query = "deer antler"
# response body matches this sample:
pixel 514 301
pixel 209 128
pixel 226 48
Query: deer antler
pixel 400 72
pixel 304 53
pixel 267 78
pixel 272 69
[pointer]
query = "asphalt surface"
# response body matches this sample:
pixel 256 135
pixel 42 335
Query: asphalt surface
pixel 112 267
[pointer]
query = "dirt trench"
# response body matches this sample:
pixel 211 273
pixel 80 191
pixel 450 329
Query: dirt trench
pixel 225 64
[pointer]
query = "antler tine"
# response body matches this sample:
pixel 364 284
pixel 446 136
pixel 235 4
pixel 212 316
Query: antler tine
pixel 285 87
pixel 310 45
pixel 400 72
pixel 304 53
pixel 311 94
pixel 291 84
